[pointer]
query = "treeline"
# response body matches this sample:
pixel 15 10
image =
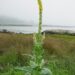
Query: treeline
pixel 61 32
pixel 5 31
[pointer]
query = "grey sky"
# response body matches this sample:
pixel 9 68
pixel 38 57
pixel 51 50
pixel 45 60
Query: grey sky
pixel 55 12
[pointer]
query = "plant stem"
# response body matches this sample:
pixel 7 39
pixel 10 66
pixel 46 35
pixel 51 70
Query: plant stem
pixel 40 16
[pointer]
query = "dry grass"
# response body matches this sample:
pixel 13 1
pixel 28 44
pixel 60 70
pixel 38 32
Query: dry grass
pixel 19 42
pixel 61 45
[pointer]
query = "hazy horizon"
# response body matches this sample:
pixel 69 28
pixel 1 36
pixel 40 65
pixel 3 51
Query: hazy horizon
pixel 55 12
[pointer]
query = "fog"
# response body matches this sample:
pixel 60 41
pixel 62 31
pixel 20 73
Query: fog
pixel 55 12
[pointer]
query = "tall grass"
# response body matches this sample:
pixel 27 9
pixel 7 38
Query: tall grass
pixel 62 46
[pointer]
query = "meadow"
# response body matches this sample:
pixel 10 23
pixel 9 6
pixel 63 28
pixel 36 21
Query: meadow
pixel 59 51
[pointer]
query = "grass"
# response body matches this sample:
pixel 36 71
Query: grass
pixel 18 42
pixel 59 51
pixel 61 45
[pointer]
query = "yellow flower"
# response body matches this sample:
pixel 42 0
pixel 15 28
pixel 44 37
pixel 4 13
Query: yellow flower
pixel 40 5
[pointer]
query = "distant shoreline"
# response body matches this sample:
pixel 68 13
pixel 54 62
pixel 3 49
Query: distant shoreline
pixel 37 25
pixel 30 29
pixel 61 32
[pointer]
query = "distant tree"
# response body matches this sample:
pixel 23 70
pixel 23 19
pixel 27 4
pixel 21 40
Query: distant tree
pixel 4 31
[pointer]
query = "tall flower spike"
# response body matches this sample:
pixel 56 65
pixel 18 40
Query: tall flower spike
pixel 40 5
pixel 40 15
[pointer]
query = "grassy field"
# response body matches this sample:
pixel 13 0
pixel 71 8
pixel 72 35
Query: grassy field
pixel 59 51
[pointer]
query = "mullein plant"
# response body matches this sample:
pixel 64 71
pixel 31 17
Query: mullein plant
pixel 38 51
pixel 37 63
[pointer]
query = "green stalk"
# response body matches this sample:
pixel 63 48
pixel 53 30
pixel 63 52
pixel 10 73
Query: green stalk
pixel 38 49
pixel 40 16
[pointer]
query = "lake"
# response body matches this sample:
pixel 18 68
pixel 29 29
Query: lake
pixel 32 29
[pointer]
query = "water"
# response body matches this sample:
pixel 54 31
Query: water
pixel 32 29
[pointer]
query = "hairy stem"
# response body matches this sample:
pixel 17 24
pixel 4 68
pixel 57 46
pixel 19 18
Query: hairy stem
pixel 40 16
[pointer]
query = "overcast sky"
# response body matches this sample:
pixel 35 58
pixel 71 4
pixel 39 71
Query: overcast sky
pixel 55 12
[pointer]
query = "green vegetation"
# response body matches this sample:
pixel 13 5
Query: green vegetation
pixel 22 54
pixel 59 51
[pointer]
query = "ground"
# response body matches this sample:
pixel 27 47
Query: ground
pixel 59 52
